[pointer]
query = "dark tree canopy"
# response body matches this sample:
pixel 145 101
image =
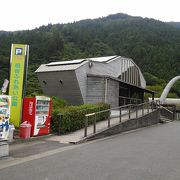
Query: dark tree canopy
pixel 154 45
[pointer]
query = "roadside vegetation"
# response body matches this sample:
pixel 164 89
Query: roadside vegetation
pixel 73 117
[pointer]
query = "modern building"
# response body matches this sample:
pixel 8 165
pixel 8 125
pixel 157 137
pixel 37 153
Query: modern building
pixel 114 79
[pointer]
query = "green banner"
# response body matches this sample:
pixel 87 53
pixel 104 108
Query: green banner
pixel 19 55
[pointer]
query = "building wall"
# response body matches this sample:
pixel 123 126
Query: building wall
pixel 95 89
pixel 114 68
pixel 81 74
pixel 62 84
pixel 113 93
pixel 100 89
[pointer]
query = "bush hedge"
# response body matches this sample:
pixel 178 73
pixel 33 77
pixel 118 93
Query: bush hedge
pixel 73 117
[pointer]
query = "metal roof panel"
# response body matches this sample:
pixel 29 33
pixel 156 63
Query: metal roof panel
pixel 45 68
pixel 77 61
pixel 102 59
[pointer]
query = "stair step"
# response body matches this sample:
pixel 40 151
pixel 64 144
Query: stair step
pixel 164 120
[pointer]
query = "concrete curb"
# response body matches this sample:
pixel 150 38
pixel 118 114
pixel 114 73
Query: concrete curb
pixel 31 139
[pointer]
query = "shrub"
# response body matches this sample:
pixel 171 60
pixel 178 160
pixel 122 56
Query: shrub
pixel 73 117
pixel 57 103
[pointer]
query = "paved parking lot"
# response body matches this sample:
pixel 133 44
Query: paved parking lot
pixel 146 154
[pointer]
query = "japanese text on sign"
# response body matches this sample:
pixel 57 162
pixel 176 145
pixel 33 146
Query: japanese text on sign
pixel 16 84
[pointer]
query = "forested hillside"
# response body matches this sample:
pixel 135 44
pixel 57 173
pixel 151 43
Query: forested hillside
pixel 175 24
pixel 153 45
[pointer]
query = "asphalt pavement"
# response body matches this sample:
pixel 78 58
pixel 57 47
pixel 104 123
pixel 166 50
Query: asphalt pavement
pixel 151 153
pixel 26 149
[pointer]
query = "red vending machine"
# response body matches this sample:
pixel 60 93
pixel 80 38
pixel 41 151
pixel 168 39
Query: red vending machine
pixel 37 111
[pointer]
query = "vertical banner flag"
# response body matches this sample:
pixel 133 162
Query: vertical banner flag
pixel 18 74
pixel 4 87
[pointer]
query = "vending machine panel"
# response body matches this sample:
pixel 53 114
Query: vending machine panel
pixel 37 111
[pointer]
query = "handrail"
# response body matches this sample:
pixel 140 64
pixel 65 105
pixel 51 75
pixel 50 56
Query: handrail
pixel 129 98
pixel 129 107
pixel 91 114
pixel 166 109
pixel 166 112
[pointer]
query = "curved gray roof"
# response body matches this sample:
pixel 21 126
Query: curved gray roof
pixel 115 66
pixel 72 64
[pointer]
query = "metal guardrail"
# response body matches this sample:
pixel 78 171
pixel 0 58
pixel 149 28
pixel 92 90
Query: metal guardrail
pixel 130 108
pixel 129 100
pixel 165 109
pixel 166 112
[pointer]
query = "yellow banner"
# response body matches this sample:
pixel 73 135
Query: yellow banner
pixel 19 55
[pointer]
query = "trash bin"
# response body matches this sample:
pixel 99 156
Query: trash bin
pixel 11 132
pixel 25 130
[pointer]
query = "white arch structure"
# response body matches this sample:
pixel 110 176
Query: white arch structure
pixel 167 89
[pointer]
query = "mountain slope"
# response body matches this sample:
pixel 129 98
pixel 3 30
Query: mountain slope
pixel 175 24
pixel 153 45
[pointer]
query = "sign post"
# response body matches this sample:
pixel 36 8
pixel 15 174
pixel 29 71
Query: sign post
pixel 18 74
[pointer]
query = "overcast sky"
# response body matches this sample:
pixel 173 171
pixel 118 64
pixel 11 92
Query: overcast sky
pixel 28 14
